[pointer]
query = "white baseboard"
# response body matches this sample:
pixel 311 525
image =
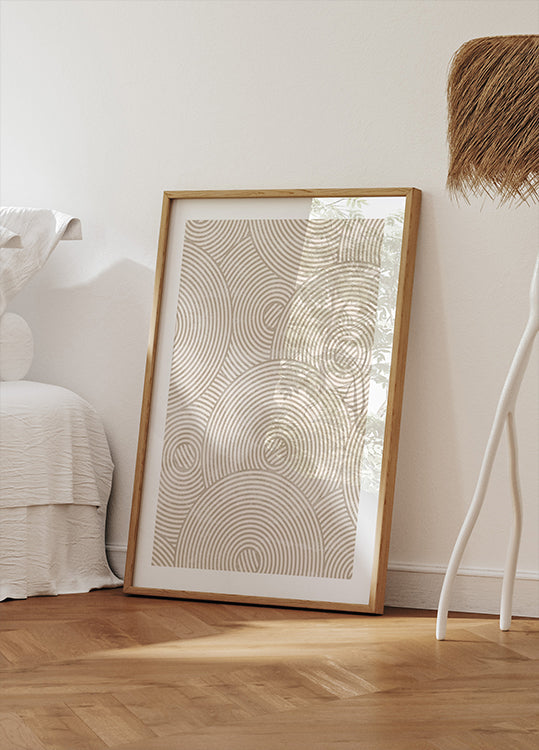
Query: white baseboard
pixel 419 586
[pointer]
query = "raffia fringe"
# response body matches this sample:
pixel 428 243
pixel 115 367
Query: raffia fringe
pixel 493 109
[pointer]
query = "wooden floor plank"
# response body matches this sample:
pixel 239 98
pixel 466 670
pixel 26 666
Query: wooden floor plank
pixel 165 710
pixel 141 628
pixel 109 719
pixel 102 670
pixel 57 726
pixel 15 734
pixel 21 647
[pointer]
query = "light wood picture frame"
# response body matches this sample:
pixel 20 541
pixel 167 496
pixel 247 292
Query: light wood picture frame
pixel 271 410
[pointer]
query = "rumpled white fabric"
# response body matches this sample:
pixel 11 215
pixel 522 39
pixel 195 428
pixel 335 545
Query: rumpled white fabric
pixel 55 481
pixel 9 238
pixel 39 231
pixel 53 549
pixel 53 448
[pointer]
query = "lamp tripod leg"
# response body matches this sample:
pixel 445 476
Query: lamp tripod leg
pixel 516 531
pixel 504 411
pixel 468 524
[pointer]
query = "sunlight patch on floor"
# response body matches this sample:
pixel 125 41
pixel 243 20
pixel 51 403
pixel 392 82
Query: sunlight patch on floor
pixel 276 640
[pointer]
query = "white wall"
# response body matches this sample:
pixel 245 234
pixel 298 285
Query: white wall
pixel 107 104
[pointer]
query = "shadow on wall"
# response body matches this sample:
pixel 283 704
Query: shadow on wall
pixel 90 336
pixel 92 339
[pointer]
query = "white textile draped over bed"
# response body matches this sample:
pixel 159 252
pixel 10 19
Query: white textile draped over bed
pixel 55 481
pixel 53 448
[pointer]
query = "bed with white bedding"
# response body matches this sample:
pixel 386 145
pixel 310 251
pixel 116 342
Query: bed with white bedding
pixel 55 481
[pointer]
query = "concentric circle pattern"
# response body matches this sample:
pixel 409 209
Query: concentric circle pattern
pixel 281 245
pixel 329 325
pixel 203 326
pixel 181 478
pixel 361 241
pixel 258 297
pixel 281 417
pixel 163 548
pixel 268 396
pixel 216 237
pixel 352 468
pixel 252 522
pixel 181 475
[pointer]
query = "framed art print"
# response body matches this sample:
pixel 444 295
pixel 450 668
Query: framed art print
pixel 271 410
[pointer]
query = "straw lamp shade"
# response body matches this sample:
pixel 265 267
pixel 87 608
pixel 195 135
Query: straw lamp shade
pixel 493 134
pixel 493 111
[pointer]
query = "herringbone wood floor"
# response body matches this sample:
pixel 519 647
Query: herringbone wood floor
pixel 102 670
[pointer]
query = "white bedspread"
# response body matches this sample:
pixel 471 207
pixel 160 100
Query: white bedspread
pixel 53 549
pixel 55 481
pixel 53 448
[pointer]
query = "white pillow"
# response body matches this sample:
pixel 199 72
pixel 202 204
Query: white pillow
pixel 16 347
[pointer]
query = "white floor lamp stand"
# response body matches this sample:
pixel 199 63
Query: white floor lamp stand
pixel 504 414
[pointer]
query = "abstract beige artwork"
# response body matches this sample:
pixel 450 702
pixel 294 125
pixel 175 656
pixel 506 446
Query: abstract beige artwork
pixel 268 396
